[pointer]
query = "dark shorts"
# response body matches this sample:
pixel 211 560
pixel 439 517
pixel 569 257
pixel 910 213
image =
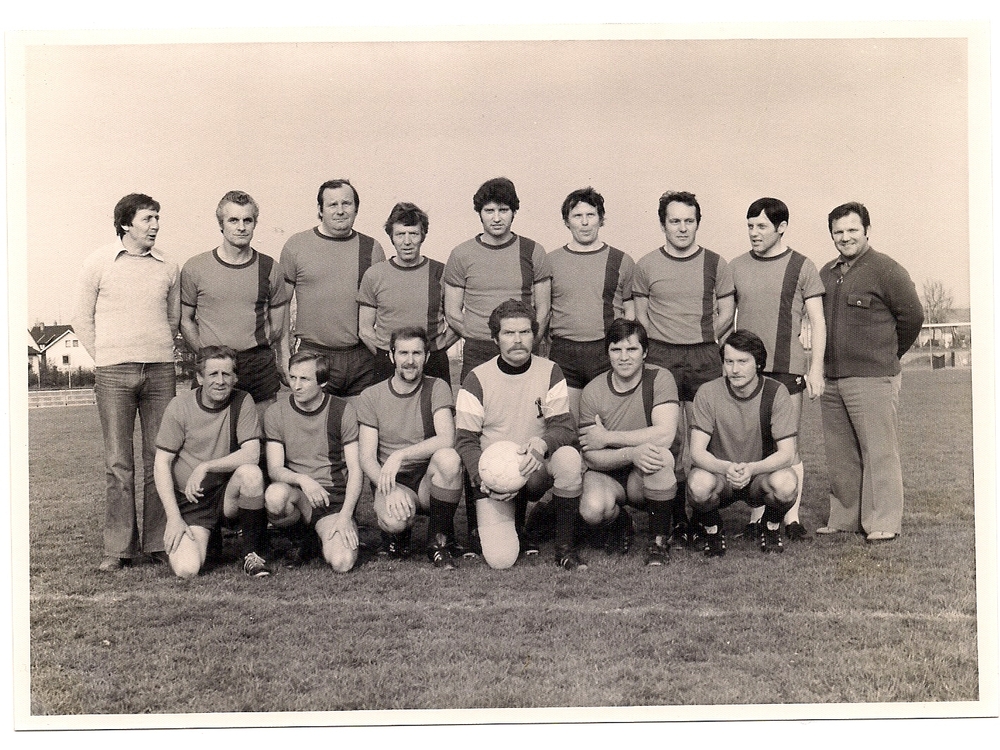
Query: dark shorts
pixel 352 369
pixel 794 383
pixel 580 361
pixel 692 365
pixel 207 511
pixel 438 366
pixel 752 494
pixel 335 506
pixel 475 352
pixel 257 373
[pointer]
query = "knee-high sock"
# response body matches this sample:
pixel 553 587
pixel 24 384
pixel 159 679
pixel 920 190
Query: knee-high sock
pixel 567 509
pixel 253 525
pixel 444 503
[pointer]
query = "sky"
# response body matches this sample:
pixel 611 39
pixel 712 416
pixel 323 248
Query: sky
pixel 815 122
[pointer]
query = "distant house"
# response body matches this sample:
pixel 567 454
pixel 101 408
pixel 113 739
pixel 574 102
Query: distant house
pixel 59 347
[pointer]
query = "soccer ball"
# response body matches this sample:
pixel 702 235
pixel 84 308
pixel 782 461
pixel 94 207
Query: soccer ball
pixel 499 467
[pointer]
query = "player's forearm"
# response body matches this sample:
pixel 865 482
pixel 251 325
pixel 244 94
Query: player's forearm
pixel 628 439
pixel 701 458
pixel 164 481
pixel 353 492
pixel 189 330
pixel 607 459
pixel 248 453
pixel 560 430
pixel 371 468
pixel 780 459
pixel 467 445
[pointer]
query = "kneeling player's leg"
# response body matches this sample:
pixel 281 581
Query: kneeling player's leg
pixel 566 468
pixel 287 508
pixel 704 491
pixel 186 561
pixel 245 500
pixel 779 489
pixel 280 503
pixel 600 497
pixel 439 493
pixel 335 549
pixel 497 532
pixel 396 510
pixel 659 491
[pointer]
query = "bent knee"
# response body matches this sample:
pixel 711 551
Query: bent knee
pixel 447 465
pixel 250 479
pixel 566 468
pixel 701 489
pixel 784 485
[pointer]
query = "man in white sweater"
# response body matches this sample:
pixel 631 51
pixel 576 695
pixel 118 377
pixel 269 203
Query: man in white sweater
pixel 127 314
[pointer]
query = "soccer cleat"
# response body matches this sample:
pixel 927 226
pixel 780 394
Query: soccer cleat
pixel 438 553
pixel 752 531
pixel 620 534
pixel 529 547
pixel 657 554
pixel 158 558
pixel 796 532
pixel 696 535
pixel 568 559
pixel 679 535
pixel 112 564
pixel 715 544
pixel 770 540
pixel 475 548
pixel 254 566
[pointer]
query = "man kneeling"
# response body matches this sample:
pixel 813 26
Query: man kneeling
pixel 312 441
pixel 406 438
pixel 207 451
pixel 742 444
pixel 628 418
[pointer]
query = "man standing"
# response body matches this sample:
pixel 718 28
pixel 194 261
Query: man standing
pixel 684 298
pixel 207 452
pixel 484 272
pixel 126 315
pixel 742 444
pixel 867 292
pixel 491 268
pixel 406 439
pixel 235 296
pixel 591 286
pixel 405 291
pixel 325 266
pixel 628 419
pixel 312 457
pixel 520 397
pixel 775 285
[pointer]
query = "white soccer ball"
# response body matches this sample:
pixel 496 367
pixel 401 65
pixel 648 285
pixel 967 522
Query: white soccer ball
pixel 499 467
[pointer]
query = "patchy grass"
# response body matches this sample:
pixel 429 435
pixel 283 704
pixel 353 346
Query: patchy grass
pixel 830 621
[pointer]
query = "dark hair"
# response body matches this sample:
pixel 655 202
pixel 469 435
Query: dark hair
pixel 333 185
pixel 743 340
pixel 405 334
pixel 321 360
pixel 408 215
pixel 127 207
pixel 687 199
pixel 214 352
pixel 853 207
pixel 498 190
pixel 240 199
pixel 512 308
pixel 584 195
pixel 775 211
pixel 621 328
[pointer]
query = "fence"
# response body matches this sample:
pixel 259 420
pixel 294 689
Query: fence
pixel 75 397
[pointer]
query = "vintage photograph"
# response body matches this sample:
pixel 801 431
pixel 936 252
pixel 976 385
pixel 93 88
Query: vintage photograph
pixel 539 375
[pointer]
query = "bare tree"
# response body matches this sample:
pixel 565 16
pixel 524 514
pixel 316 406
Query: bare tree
pixel 938 302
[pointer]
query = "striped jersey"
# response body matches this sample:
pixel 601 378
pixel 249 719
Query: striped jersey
pixel 406 296
pixel 402 419
pixel 682 293
pixel 588 291
pixel 629 410
pixel 326 273
pixel 314 440
pixel 744 429
pixel 492 274
pixel 771 294
pixel 232 301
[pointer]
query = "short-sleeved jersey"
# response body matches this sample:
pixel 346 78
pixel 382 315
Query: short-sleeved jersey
pixel 326 273
pixel 402 419
pixel 744 429
pixel 314 440
pixel 406 296
pixel 771 295
pixel 682 293
pixel 588 291
pixel 232 301
pixel 626 411
pixel 493 274
pixel 196 433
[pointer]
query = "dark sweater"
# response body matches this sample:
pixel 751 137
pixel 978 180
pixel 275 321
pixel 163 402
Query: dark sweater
pixel 873 316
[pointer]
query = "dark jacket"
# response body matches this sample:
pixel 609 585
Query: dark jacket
pixel 873 316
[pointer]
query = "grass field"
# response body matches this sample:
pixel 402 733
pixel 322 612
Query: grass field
pixel 832 621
